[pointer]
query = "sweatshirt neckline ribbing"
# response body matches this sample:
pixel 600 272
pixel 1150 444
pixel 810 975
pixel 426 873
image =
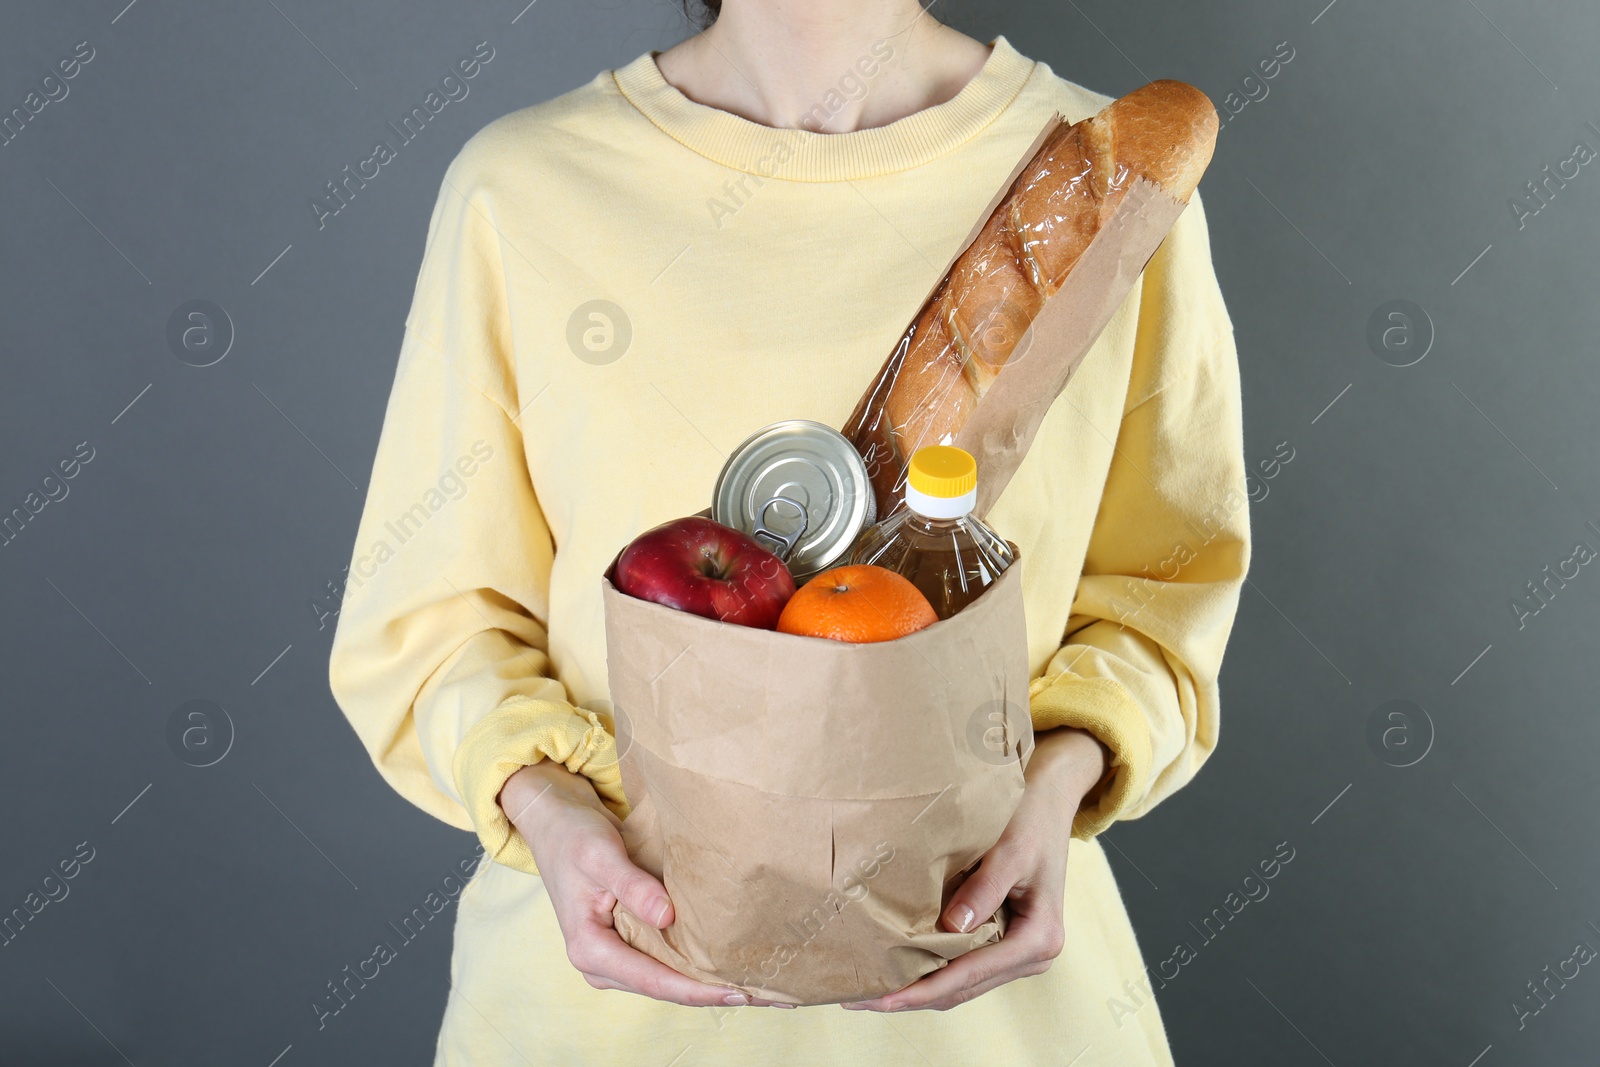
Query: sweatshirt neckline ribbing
pixel 802 155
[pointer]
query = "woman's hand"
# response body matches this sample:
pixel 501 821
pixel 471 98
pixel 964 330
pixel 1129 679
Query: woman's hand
pixel 1028 865
pixel 578 848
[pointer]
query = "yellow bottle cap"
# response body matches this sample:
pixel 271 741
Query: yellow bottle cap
pixel 943 471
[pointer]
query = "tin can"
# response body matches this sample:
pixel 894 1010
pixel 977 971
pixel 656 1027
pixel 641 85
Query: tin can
pixel 801 489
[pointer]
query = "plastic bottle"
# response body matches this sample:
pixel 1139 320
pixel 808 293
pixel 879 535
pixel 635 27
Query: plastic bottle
pixel 935 541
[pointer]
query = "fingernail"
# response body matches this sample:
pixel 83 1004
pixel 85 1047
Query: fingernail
pixel 661 913
pixel 780 1004
pixel 963 917
pixel 736 999
pixel 857 1006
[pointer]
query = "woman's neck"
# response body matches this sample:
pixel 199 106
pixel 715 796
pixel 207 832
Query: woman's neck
pixel 830 66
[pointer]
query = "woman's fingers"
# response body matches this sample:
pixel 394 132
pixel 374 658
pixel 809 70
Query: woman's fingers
pixel 606 862
pixel 1032 878
pixel 608 962
pixel 602 982
pixel 587 871
pixel 986 888
pixel 1032 941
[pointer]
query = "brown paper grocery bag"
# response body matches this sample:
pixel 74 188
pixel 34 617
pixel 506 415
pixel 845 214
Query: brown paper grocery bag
pixel 811 805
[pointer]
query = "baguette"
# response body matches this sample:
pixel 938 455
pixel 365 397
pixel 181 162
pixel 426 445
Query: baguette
pixel 970 326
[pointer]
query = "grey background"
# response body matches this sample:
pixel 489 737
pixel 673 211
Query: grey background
pixel 183 562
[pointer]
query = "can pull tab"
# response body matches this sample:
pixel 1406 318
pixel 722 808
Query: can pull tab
pixel 781 545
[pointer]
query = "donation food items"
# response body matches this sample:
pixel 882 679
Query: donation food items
pixel 703 567
pixel 699 566
pixel 958 344
pixel 800 489
pixel 922 564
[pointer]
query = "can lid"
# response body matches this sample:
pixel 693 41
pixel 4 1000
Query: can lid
pixel 801 489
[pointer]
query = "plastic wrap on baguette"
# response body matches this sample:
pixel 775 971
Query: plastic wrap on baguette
pixel 970 326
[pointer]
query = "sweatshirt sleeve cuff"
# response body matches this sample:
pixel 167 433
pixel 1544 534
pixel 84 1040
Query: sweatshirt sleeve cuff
pixel 519 733
pixel 1103 708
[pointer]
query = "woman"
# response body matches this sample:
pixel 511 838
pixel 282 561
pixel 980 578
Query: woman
pixel 618 286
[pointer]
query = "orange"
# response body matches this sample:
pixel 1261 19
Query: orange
pixel 858 604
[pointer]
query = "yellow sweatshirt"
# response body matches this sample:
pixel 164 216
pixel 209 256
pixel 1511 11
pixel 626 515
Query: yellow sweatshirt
pixel 618 286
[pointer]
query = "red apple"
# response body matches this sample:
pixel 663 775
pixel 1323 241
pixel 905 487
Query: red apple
pixel 704 567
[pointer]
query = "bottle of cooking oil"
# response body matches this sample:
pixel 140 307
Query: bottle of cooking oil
pixel 935 540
